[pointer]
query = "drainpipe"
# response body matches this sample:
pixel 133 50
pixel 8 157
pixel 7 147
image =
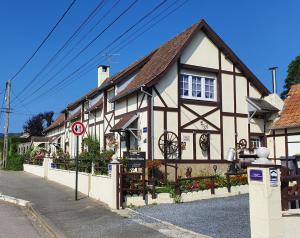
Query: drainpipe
pixel 152 130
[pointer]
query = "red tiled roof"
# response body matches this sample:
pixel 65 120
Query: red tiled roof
pixel 58 122
pixel 290 114
pixel 168 53
pixel 76 103
pixel 76 115
pixel 96 106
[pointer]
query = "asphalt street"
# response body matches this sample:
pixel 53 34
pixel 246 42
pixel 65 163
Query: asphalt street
pixel 218 218
pixel 15 223
pixel 84 218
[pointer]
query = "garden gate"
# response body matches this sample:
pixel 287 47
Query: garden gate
pixel 131 175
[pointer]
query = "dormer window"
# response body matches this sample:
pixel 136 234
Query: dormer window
pixel 199 87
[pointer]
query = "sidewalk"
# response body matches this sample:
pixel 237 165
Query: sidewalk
pixel 83 218
pixel 15 222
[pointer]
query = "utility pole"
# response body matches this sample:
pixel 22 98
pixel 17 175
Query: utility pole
pixel 7 111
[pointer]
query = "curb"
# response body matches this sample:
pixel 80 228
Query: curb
pixel 170 225
pixel 47 226
pixel 14 200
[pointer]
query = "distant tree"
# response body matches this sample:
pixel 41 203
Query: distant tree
pixel 37 123
pixel 293 76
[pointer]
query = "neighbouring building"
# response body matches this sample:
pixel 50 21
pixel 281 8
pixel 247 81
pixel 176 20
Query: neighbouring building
pixel 284 133
pixel 187 102
pixel 30 142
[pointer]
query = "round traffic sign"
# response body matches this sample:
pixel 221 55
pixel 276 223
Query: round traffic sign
pixel 78 128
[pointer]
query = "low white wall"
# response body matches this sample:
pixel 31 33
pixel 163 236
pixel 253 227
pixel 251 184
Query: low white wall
pixel 99 187
pixel 102 189
pixel 67 178
pixel 34 169
pixel 136 200
pixel 291 223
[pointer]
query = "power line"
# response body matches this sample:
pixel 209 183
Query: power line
pixel 64 46
pixel 84 36
pixel 88 45
pixel 43 42
pixel 115 40
pixel 71 76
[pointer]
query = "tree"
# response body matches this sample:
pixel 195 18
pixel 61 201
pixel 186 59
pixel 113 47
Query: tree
pixel 293 76
pixel 37 123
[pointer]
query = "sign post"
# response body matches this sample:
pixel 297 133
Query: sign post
pixel 78 129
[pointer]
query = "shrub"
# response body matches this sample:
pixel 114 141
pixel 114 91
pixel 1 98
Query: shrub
pixel 15 162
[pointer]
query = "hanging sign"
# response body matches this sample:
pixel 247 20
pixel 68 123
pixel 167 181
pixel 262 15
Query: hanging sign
pixel 135 159
pixel 78 128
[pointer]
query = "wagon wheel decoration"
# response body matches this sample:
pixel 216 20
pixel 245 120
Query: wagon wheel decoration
pixel 168 144
pixel 242 144
pixel 204 141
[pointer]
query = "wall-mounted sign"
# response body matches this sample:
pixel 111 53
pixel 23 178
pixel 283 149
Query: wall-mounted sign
pixel 145 129
pixel 109 168
pixel 135 159
pixel 256 175
pixel 186 138
pixel 273 177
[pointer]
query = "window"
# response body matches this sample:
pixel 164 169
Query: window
pixel 110 95
pixel 198 87
pixel 255 142
pixel 184 85
pixel 209 88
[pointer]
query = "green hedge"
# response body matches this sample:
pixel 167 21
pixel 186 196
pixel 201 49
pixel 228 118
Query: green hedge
pixel 15 162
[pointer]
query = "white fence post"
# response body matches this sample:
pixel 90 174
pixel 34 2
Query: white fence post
pixel 45 166
pixel 115 177
pixel 265 201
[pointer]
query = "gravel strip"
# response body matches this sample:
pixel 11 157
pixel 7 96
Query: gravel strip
pixel 218 218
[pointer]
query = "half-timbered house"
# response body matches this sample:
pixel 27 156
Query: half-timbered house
pixel 188 101
pixel 284 133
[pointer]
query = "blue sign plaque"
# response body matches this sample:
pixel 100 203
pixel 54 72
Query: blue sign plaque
pixel 256 175
pixel 109 168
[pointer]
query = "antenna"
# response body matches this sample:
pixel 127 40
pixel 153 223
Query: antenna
pixel 109 58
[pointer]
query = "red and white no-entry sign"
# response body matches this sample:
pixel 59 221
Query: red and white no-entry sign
pixel 78 128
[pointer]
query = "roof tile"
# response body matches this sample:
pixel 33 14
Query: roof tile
pixel 290 115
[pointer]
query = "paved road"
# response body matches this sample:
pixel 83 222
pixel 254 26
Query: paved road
pixel 84 218
pixel 14 222
pixel 218 218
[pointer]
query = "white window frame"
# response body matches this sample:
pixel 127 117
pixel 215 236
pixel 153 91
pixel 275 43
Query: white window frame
pixel 190 87
pixel 110 105
pixel 257 140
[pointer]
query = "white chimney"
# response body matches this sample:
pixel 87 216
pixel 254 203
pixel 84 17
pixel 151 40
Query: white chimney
pixel 103 73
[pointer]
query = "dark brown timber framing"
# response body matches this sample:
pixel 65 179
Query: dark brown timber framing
pixel 221 105
pixel 234 108
pixel 149 130
pixel 179 107
pixel 209 70
pixel 249 126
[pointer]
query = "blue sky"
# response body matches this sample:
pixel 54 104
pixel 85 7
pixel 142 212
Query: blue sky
pixel 261 33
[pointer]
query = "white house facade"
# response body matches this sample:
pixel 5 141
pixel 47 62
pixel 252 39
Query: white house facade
pixel 187 102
